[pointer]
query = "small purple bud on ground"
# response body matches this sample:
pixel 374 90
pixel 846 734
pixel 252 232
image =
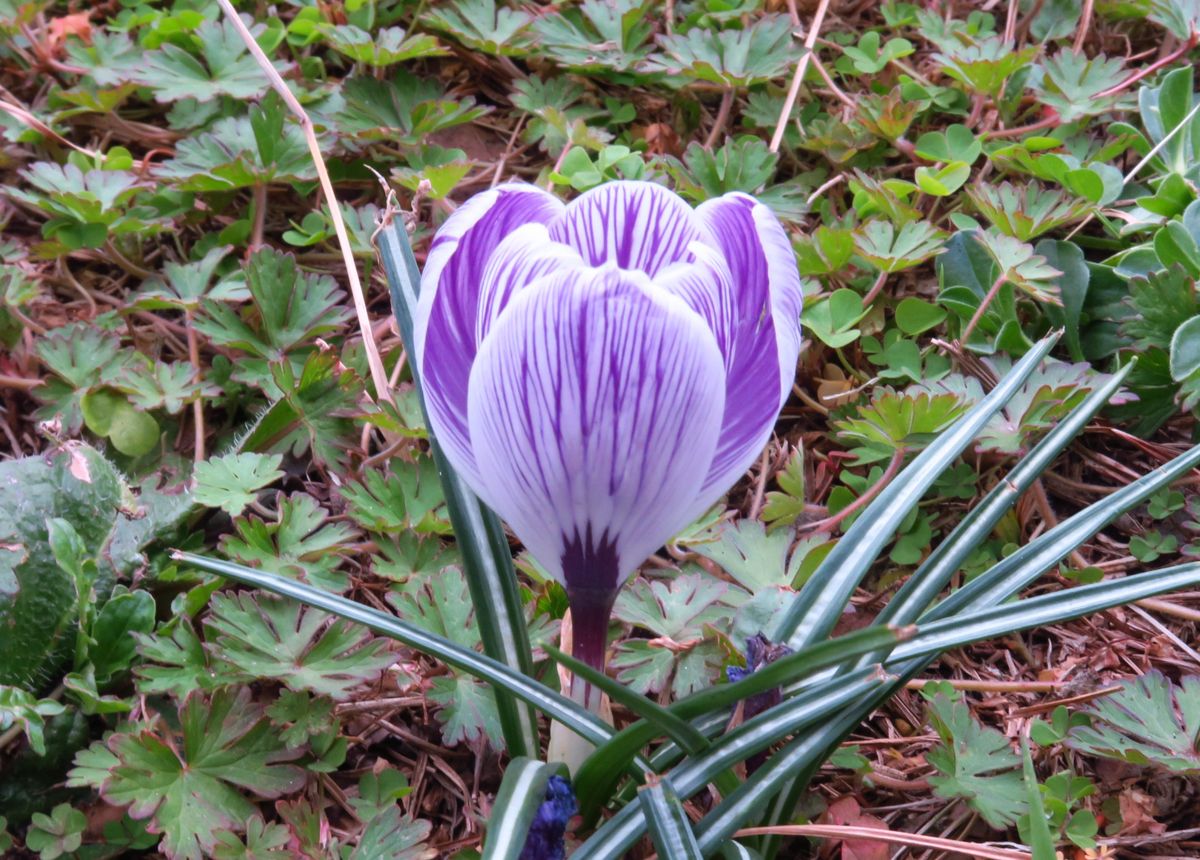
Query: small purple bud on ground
pixel 546 839
pixel 759 652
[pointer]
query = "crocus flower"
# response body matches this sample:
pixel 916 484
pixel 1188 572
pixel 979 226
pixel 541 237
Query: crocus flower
pixel 601 372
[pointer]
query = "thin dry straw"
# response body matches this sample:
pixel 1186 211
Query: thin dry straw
pixel 383 392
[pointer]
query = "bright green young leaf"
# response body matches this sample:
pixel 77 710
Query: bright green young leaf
pixel 870 56
pixel 894 422
pixel 785 505
pixel 232 481
pixel 943 181
pixel 20 707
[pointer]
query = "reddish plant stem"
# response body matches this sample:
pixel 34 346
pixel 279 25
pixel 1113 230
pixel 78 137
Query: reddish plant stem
pixel 983 306
pixel 722 118
pixel 875 290
pixel 893 468
pixel 1151 69
pixel 1048 122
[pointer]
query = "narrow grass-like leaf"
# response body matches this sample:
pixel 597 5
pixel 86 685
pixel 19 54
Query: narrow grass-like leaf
pixel 612 839
pixel 660 720
pixel 670 829
pixel 923 587
pixel 521 793
pixel 487 559
pixel 500 676
pixel 975 625
pixel 600 772
pixel 819 605
pixel 907 659
pixel 1026 564
pixel 1040 842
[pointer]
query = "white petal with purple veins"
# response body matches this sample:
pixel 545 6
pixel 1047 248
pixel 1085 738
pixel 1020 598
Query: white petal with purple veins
pixel 761 355
pixel 594 401
pixel 526 255
pixel 445 320
pixel 636 225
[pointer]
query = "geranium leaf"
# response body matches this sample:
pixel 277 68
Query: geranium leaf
pixel 1148 721
pixel 270 637
pixel 190 780
pixel 231 482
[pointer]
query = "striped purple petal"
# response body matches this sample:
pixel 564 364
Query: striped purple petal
pixel 525 256
pixel 593 399
pixel 446 319
pixel 761 337
pixel 636 225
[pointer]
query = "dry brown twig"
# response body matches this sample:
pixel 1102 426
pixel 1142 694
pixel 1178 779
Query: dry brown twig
pixel 915 840
pixel 374 361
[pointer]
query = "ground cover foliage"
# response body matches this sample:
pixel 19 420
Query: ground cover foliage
pixel 182 369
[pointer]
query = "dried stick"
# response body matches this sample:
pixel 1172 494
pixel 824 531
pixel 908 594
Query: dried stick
pixel 801 66
pixel 378 375
pixel 913 840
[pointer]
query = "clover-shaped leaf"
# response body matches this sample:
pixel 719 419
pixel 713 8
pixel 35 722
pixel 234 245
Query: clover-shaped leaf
pixel 870 56
pixel 942 181
pixel 58 834
pixel 954 143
